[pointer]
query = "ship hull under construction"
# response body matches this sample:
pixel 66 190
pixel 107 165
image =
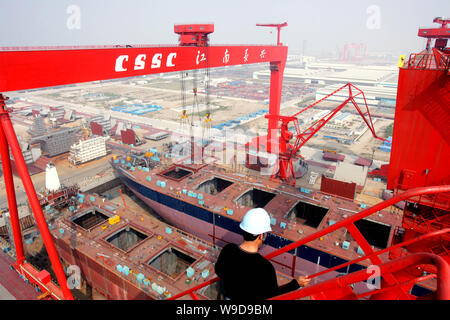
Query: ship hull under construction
pixel 220 230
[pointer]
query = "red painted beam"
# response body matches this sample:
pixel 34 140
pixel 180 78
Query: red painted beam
pixel 5 123
pixel 11 195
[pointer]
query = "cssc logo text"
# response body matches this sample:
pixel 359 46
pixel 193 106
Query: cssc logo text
pixel 122 63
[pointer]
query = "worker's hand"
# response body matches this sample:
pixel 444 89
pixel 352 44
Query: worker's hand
pixel 303 281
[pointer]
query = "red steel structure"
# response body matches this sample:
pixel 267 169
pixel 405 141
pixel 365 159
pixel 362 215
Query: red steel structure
pixel 421 138
pixel 194 34
pixel 419 174
pixel 29 68
pixel 287 152
pixel 35 68
pixel 275 25
pixel 441 35
pixel 8 139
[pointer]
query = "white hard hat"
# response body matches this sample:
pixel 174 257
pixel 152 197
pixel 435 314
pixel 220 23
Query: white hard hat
pixel 256 221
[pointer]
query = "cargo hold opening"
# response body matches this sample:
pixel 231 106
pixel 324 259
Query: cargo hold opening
pixel 172 262
pixel 376 234
pixel 307 214
pixel 90 219
pixel 176 173
pixel 126 238
pixel 255 198
pixel 214 186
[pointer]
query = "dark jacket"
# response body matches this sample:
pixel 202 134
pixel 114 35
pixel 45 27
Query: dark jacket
pixel 246 275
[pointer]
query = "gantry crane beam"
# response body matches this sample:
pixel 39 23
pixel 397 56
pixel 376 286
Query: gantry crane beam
pixel 29 69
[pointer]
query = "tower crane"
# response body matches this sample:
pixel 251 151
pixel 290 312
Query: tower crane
pixel 274 25
pixel 287 152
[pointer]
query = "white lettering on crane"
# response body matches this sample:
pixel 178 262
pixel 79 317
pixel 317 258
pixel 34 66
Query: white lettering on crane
pixel 139 63
pixel 170 58
pixel 375 272
pixel 226 56
pixel 246 55
pixel 140 60
pixel 156 61
pixel 119 63
pixel 201 56
pixel 263 53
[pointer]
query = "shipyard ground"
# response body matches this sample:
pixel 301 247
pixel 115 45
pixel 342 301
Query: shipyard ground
pixel 96 98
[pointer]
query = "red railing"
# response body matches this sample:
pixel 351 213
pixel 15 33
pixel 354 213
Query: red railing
pixel 416 259
pixel 348 223
pixel 428 61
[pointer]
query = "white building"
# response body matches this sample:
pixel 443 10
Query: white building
pixel 332 73
pixel 87 150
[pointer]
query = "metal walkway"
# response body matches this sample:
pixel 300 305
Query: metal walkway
pixel 12 287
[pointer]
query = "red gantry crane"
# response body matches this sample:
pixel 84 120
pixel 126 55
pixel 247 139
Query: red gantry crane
pixel 36 67
pixel 29 68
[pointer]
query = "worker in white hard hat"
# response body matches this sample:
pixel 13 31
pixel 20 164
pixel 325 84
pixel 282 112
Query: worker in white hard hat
pixel 246 274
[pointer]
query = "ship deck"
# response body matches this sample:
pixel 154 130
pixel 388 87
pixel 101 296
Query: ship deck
pixel 152 256
pixel 315 210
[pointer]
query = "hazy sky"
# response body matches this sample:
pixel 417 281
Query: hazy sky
pixel 326 25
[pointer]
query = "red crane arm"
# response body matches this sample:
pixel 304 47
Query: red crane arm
pixel 303 137
pixel 31 69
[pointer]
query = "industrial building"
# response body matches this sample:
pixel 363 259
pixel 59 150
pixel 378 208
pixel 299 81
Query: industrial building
pixel 157 136
pixel 337 73
pixel 351 173
pixel 123 254
pixel 87 150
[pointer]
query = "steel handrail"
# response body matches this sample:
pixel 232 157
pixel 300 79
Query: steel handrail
pixel 344 223
pixel 380 206
pixel 443 276
pixel 399 245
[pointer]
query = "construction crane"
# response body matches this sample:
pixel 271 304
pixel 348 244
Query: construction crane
pixel 35 67
pixel 195 35
pixel 275 25
pixel 440 35
pixel 360 50
pixel 287 152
